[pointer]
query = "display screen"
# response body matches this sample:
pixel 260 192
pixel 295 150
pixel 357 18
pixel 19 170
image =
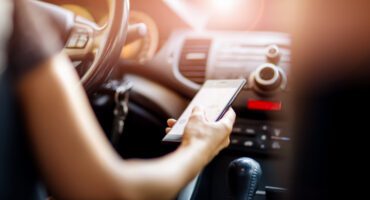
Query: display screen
pixel 264 105
pixel 214 97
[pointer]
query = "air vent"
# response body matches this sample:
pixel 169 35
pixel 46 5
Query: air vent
pixel 193 60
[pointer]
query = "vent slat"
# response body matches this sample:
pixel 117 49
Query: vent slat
pixel 198 80
pixel 193 74
pixel 193 59
pixel 193 63
pixel 192 68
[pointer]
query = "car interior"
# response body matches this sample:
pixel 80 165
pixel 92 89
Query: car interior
pixel 142 61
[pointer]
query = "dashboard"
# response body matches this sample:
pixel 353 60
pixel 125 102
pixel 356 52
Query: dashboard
pixel 262 58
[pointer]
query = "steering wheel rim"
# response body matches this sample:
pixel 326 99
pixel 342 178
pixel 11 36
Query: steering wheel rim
pixel 111 39
pixel 96 48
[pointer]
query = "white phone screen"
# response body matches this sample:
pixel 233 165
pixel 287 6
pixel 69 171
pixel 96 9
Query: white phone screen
pixel 214 97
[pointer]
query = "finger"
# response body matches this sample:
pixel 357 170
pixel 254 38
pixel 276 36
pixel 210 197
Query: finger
pixel 229 116
pixel 171 122
pixel 228 120
pixel 197 113
pixel 168 129
pixel 197 110
pixel 226 143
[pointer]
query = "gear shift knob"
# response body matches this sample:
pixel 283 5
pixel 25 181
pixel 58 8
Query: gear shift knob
pixel 243 177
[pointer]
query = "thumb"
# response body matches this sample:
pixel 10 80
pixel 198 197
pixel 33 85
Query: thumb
pixel 198 111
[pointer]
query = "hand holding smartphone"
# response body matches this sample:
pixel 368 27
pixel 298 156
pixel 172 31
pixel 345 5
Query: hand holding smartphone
pixel 215 97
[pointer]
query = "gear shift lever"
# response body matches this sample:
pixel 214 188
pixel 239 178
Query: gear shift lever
pixel 243 177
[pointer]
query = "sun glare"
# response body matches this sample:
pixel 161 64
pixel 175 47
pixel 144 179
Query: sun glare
pixel 224 5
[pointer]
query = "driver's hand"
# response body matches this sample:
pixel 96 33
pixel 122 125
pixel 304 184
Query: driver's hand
pixel 170 123
pixel 213 136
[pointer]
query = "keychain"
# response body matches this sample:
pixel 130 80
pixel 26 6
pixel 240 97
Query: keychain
pixel 121 98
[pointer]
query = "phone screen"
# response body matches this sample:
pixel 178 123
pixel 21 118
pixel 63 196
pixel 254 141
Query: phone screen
pixel 215 97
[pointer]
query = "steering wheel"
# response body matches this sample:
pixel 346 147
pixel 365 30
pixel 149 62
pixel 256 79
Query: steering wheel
pixel 94 50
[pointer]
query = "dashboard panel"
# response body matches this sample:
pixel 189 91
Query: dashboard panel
pixel 248 55
pixel 188 58
pixel 227 55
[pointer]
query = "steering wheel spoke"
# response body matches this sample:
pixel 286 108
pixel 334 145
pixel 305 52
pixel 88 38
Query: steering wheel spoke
pixel 95 48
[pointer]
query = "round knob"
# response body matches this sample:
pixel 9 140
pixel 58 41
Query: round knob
pixel 273 54
pixel 267 78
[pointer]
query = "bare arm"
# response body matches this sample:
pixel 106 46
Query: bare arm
pixel 77 160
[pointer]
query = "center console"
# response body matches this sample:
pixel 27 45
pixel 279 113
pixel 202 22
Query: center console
pixel 261 129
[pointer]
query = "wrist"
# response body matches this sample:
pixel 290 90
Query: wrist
pixel 199 148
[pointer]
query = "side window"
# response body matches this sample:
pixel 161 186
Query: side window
pixel 6 9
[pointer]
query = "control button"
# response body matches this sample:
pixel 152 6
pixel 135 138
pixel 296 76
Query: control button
pixel 248 143
pixel 268 79
pixel 81 43
pixel 264 127
pixel 276 132
pixel 84 37
pixel 275 145
pixel 250 131
pixel 273 54
pixel 235 141
pixel 263 137
pixel 82 40
pixel 237 129
pixel 77 40
pixel 72 41
pixel 262 146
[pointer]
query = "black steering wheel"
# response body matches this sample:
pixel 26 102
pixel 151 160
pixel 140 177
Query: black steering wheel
pixel 94 50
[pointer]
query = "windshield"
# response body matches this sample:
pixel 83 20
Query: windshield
pixel 260 15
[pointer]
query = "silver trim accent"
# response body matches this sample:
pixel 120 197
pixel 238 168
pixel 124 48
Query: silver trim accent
pixel 258 78
pixel 260 192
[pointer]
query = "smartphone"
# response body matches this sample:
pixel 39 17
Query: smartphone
pixel 215 97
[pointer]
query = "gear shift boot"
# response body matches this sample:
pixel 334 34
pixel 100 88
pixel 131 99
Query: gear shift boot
pixel 243 178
